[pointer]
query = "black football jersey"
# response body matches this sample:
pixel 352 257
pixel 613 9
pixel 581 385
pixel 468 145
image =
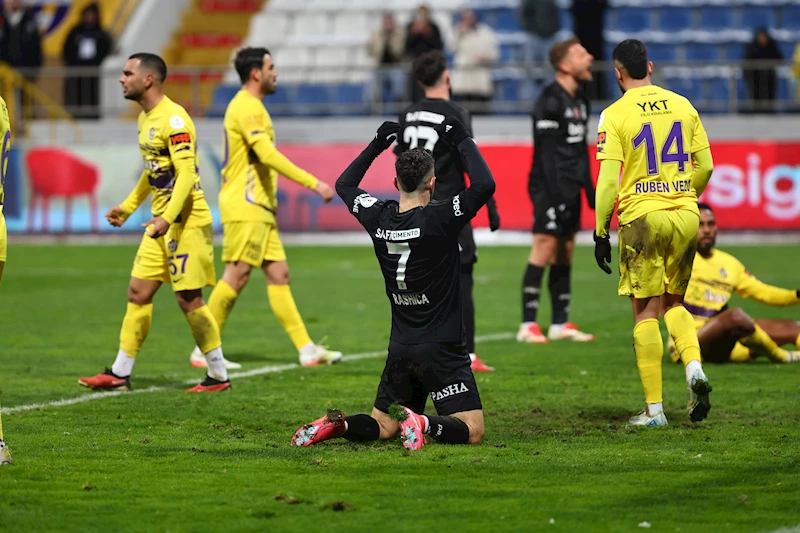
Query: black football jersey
pixel 417 123
pixel 418 249
pixel 561 159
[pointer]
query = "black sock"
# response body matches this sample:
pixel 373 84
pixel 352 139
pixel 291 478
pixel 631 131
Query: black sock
pixel 559 284
pixel 531 289
pixel 448 429
pixel 362 428
pixel 468 306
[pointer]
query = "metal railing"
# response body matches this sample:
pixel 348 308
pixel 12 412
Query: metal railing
pixel 719 87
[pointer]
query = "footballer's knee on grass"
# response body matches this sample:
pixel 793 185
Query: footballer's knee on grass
pixel 389 427
pixel 141 291
pixel 277 272
pixel 543 249
pixel 190 300
pixel 237 275
pixel 474 421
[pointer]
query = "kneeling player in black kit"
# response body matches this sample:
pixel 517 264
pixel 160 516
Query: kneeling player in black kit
pixel 416 243
pixel 417 122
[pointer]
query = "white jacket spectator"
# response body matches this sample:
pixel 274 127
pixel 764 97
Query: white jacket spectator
pixel 475 49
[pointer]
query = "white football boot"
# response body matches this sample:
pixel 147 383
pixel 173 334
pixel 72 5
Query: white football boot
pixel 5 455
pixel 568 331
pixel 645 420
pixel 198 360
pixel 530 333
pixel 320 355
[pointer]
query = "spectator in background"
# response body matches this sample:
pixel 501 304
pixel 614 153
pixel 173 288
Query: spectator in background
pixel 387 46
pixel 587 18
pixel 475 50
pixel 541 20
pixel 423 35
pixel 761 81
pixel 87 45
pixel 20 42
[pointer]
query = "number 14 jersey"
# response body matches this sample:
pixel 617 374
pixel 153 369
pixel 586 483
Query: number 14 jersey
pixel 653 132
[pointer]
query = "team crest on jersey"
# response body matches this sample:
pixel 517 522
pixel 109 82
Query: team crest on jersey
pixel 569 113
pixel 152 133
pixel 601 137
pixel 176 122
pixel 172 245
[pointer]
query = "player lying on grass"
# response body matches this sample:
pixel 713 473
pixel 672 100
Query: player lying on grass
pixel 247 206
pixel 177 247
pixel 730 335
pixel 416 243
pixel 653 136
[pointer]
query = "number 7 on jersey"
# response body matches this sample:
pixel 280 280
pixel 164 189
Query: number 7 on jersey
pixel 404 251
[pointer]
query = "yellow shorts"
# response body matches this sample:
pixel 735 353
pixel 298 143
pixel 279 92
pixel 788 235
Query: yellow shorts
pixel 654 247
pixel 183 257
pixel 3 239
pixel 252 243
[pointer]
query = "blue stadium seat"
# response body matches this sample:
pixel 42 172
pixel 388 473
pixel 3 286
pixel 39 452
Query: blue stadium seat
pixel 713 18
pixel 311 99
pixel 566 19
pixel 632 20
pixel 279 104
pixel 734 51
pixel 222 95
pixel 510 53
pixel 790 18
pixel 787 48
pixel 718 89
pixel 758 17
pixel 351 94
pixel 507 90
pixel 661 52
pixel 702 52
pixel 674 19
pixel 506 20
pixel 689 87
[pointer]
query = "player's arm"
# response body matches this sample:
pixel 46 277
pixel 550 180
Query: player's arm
pixel 181 143
pixel 610 155
pixel 118 214
pixel 401 146
pixel 701 157
pixel 750 287
pixel 358 200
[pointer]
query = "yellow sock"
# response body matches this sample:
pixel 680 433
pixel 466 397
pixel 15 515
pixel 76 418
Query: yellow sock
pixel 741 354
pixel 204 329
pixel 797 341
pixel 680 325
pixel 762 344
pixel 221 302
pixel 283 306
pixel 649 350
pixel 135 327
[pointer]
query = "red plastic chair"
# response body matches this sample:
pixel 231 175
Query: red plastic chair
pixel 54 172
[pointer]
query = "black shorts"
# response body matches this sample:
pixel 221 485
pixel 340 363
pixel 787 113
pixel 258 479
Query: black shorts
pixel 441 371
pixel 466 246
pixel 544 217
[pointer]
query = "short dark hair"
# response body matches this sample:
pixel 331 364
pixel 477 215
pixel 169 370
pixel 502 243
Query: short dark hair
pixel 247 59
pixel 429 67
pixel 412 168
pixel 632 55
pixel 559 51
pixel 702 206
pixel 153 63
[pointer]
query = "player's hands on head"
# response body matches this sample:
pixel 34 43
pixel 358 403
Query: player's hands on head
pixel 324 190
pixel 158 229
pixel 386 135
pixel 452 131
pixel 116 216
pixel 602 252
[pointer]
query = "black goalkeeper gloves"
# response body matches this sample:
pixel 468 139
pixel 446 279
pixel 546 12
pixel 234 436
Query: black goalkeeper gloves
pixel 602 253
pixel 386 135
pixel 452 131
pixel 494 216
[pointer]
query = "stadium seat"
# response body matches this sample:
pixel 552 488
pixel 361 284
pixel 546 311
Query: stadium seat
pixel 313 99
pixel 661 52
pixel 787 48
pixel 758 17
pixel 689 87
pixel 566 20
pixel 349 25
pixel 510 53
pixel 331 65
pixel 267 29
pixel 671 19
pixel 715 19
pixel 310 26
pixel 790 18
pixel 507 20
pixel 702 52
pixel 293 62
pixel 632 20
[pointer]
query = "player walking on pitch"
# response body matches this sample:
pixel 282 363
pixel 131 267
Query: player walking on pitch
pixel 653 136
pixel 177 246
pixel 5 133
pixel 416 243
pixel 247 204
pixel 417 123
pixel 560 170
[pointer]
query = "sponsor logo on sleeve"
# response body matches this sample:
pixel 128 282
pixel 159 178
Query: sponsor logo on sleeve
pixel 364 200
pixel 546 125
pixel 180 138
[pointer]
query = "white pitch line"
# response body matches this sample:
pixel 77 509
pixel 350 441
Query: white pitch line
pixel 246 374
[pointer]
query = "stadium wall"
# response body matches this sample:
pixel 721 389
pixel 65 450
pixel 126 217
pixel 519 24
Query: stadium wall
pixel 756 183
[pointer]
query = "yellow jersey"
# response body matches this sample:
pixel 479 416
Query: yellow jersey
pixel 251 163
pixel 5 133
pixel 717 277
pixel 653 132
pixel 168 143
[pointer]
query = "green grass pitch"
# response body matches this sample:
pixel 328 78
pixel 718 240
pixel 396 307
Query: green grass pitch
pixel 556 456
